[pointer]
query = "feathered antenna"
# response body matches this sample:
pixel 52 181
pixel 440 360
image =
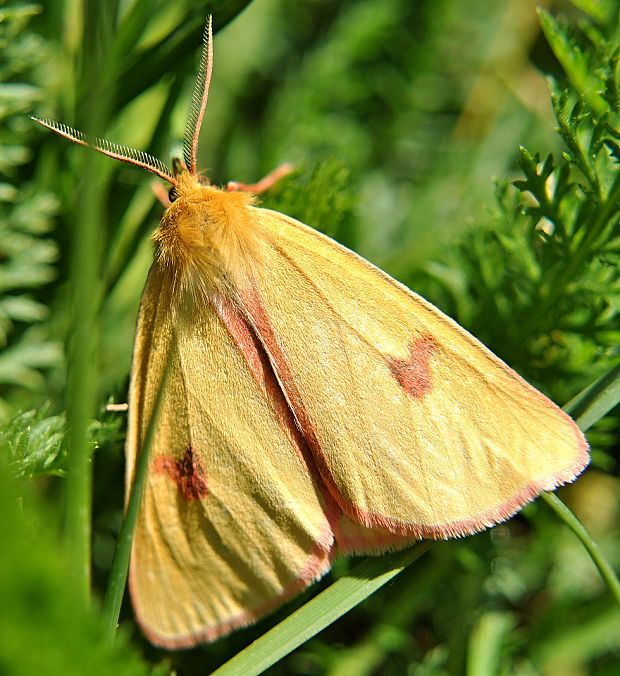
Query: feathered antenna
pixel 123 153
pixel 192 129
pixel 199 99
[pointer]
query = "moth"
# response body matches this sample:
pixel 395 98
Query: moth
pixel 313 406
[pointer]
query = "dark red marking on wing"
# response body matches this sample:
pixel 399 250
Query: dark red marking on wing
pixel 394 533
pixel 260 367
pixel 187 473
pixel 309 446
pixel 414 373
pixel 336 503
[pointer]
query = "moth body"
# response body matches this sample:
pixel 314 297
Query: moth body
pixel 207 239
pixel 310 406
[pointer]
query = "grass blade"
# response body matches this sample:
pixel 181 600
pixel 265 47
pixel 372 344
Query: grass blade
pixel 122 552
pixel 320 612
pixel 590 405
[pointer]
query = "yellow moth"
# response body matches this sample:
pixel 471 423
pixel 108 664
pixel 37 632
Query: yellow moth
pixel 313 406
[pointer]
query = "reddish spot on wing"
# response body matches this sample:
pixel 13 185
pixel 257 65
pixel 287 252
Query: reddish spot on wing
pixel 414 373
pixel 256 358
pixel 187 473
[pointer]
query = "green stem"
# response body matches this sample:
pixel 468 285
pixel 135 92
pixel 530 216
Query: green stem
pixel 81 397
pixel 81 392
pixel 81 380
pixel 591 546
pixel 589 406
pixel 122 552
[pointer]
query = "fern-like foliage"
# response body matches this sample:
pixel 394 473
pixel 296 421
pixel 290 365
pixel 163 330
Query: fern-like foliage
pixel 539 281
pixel 34 443
pixel 27 253
pixel 317 192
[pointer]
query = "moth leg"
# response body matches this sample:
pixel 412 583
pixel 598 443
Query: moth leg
pixel 117 408
pixel 265 183
pixel 161 193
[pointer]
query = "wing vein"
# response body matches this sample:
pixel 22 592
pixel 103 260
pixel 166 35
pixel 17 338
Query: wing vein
pixel 323 296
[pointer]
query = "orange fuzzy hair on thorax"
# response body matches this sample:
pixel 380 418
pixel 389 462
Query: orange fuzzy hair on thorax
pixel 207 237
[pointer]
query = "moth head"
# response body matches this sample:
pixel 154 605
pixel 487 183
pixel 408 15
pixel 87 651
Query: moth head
pixel 141 159
pixel 183 178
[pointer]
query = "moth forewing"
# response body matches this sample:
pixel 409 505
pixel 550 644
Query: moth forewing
pixel 314 406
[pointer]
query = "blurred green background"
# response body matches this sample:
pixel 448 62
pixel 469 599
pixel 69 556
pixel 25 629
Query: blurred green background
pixel 398 115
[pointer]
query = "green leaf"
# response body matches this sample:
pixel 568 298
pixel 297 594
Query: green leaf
pixel 485 643
pixel 17 97
pixel 23 309
pixel 599 10
pixel 317 193
pixel 33 444
pixel 174 51
pixel 44 629
pixel 574 61
pixel 572 646
pixel 21 363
